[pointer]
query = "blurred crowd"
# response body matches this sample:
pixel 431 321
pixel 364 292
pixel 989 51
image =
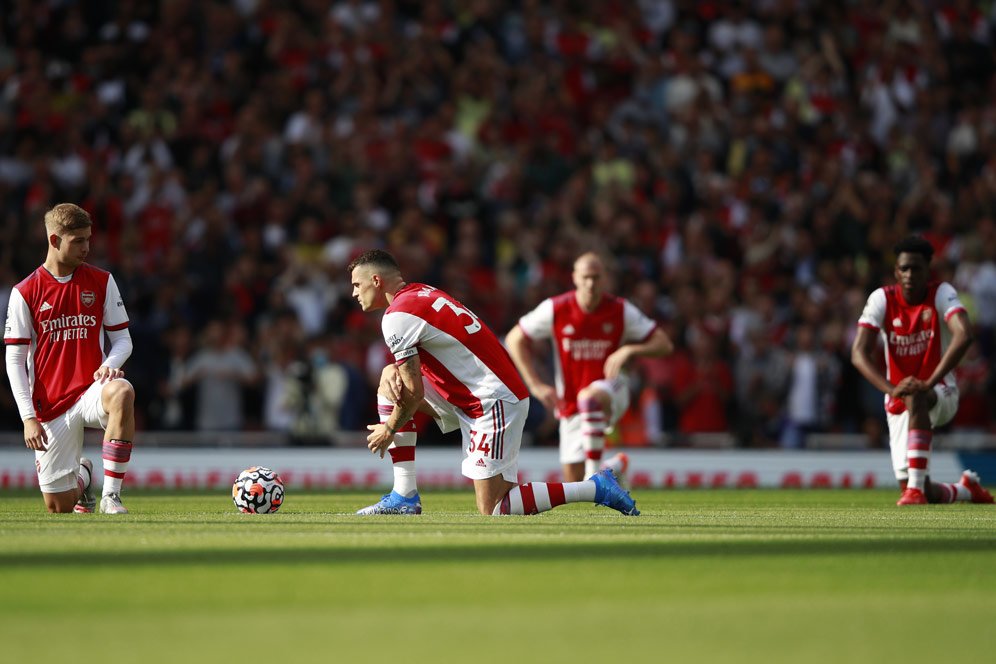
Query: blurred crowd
pixel 747 165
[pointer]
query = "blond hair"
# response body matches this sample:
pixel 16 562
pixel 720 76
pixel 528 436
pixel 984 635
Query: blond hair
pixel 66 217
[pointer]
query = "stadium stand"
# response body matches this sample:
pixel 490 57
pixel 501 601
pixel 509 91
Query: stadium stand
pixel 747 165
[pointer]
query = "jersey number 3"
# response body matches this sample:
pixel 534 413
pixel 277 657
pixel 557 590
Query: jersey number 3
pixel 475 325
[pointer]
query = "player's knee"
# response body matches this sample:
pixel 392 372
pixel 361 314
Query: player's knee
pixel 487 505
pixel 119 394
pixel 57 507
pixel 592 399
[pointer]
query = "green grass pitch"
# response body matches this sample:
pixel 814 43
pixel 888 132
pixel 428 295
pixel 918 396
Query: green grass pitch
pixel 703 576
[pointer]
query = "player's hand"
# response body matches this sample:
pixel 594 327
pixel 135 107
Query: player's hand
pixel 391 384
pixel 34 435
pixel 908 386
pixel 379 439
pixel 547 396
pixel 616 362
pixel 105 374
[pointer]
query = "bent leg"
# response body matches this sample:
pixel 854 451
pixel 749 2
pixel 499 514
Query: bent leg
pixel 117 399
pixel 573 472
pixel 595 407
pixel 61 502
pixel 491 492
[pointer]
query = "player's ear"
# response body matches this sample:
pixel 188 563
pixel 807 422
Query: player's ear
pixel 376 280
pixel 54 240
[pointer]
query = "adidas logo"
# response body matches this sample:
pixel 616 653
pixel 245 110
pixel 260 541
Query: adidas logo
pixel 44 307
pixel 480 462
pixel 568 329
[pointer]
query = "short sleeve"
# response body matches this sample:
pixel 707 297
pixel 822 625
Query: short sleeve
pixel 538 323
pixel 402 332
pixel 636 325
pixel 946 301
pixel 18 328
pixel 115 315
pixel 873 315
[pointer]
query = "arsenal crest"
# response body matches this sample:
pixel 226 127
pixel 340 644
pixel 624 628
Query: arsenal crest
pixel 926 314
pixel 87 297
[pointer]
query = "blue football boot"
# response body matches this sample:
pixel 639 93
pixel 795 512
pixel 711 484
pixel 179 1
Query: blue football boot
pixel 394 503
pixel 609 493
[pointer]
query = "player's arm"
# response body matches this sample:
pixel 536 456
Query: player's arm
pixel 412 394
pixel 961 339
pixel 520 348
pixel 17 337
pixel 17 373
pixel 116 326
pixel 657 345
pixel 863 359
pixel 117 355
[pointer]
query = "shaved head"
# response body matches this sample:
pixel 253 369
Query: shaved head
pixel 589 280
pixel 589 261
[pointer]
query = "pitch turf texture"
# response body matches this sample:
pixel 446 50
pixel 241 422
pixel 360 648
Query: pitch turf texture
pixel 703 576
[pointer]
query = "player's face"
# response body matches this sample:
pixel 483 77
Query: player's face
pixel 589 280
pixel 367 289
pixel 912 274
pixel 74 247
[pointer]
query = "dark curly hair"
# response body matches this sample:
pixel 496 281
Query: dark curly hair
pixel 914 244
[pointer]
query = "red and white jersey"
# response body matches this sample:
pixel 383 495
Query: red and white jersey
pixel 915 336
pixel 460 356
pixel 582 341
pixel 64 324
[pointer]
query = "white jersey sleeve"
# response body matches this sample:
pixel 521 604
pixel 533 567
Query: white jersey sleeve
pixel 874 311
pixel 18 334
pixel 636 325
pixel 402 332
pixel 18 328
pixel 946 300
pixel 115 314
pixel 20 382
pixel 538 323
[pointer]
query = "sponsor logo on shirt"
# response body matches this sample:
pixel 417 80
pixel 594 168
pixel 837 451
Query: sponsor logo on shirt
pixel 568 329
pixel 910 344
pixel 586 349
pixel 44 307
pixel 65 328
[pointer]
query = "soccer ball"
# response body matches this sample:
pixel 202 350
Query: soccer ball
pixel 258 490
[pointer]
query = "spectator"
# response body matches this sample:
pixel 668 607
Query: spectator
pixel 737 149
pixel 220 370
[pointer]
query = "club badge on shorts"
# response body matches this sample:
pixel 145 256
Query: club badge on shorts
pixel 87 297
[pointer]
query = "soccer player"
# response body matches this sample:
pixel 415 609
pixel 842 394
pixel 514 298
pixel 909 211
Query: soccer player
pixel 926 332
pixel 454 368
pixel 594 335
pixel 62 381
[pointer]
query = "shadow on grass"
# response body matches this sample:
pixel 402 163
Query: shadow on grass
pixel 477 553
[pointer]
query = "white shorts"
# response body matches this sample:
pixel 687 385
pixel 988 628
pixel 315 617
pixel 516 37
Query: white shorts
pixel 59 465
pixel 942 413
pixel 571 447
pixel 490 442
